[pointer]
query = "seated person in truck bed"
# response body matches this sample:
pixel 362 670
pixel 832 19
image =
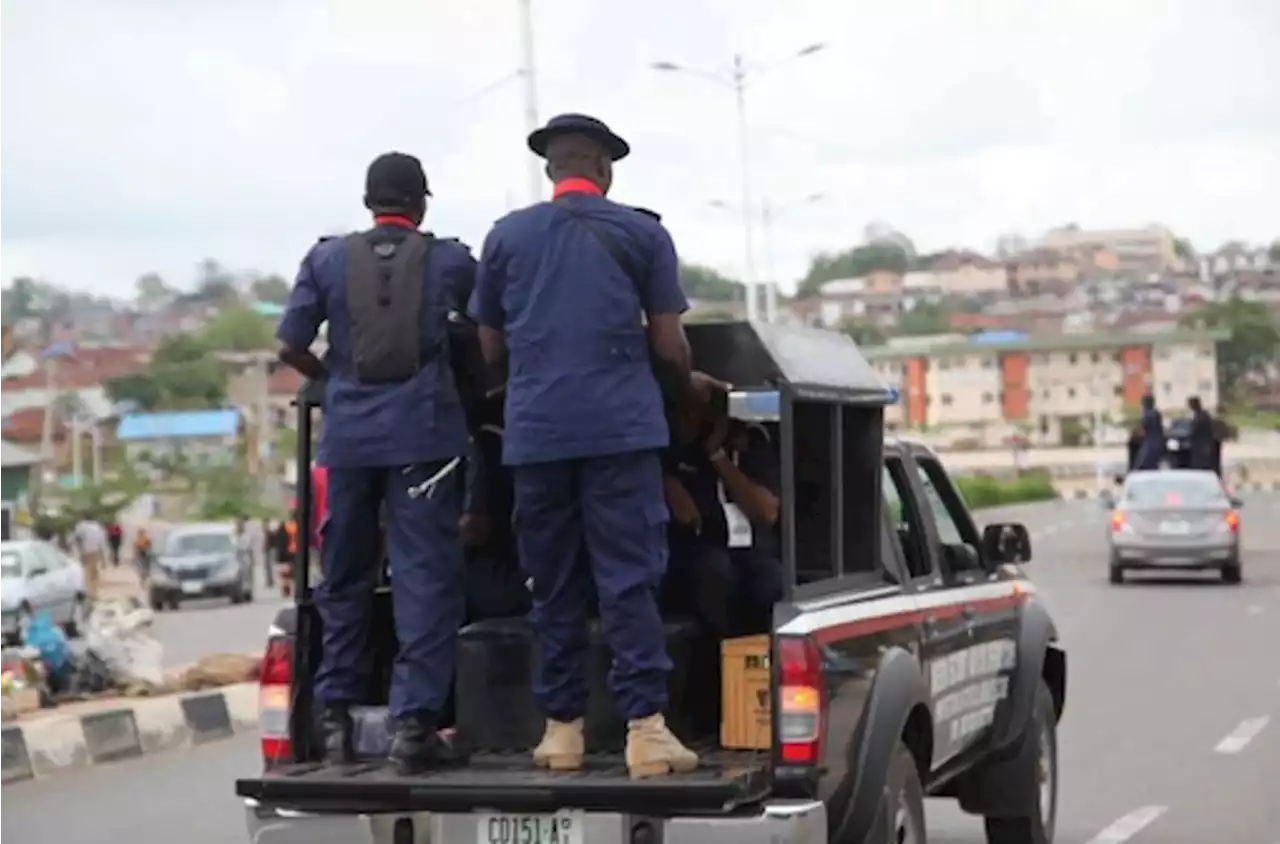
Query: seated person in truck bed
pixel 722 483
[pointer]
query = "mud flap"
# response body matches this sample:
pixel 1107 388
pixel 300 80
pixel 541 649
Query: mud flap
pixel 898 687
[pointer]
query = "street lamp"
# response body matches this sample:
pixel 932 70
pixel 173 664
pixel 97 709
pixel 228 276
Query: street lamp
pixel 529 76
pixel 769 212
pixel 737 80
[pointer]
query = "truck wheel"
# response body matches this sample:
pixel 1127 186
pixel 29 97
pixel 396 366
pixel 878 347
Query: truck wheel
pixel 906 799
pixel 1117 575
pixel 1231 572
pixel 1037 829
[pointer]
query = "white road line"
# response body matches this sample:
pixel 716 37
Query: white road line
pixel 1245 732
pixel 1129 825
pixel 1255 609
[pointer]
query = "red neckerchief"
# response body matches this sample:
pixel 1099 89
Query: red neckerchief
pixel 576 185
pixel 394 220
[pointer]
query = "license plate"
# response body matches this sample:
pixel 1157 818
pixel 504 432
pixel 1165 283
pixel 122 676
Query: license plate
pixel 1175 527
pixel 192 587
pixel 560 828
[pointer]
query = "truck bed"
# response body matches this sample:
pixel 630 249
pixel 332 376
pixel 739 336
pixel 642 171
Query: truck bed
pixel 723 781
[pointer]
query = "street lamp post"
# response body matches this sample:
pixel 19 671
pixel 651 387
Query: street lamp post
pixel 768 213
pixel 529 78
pixel 737 80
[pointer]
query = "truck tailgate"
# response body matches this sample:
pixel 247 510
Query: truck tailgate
pixel 511 783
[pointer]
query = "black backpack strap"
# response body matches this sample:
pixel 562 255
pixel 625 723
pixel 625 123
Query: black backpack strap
pixel 606 239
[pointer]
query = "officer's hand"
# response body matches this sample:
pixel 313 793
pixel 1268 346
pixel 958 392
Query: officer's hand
pixel 702 387
pixel 683 508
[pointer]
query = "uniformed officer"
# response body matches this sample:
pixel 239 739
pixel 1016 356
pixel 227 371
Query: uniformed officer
pixel 578 291
pixel 394 434
pixel 1151 451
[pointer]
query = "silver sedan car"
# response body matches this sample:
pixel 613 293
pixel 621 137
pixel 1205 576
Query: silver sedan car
pixel 1176 519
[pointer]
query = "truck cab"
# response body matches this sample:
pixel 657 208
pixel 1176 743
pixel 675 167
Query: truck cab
pixel 908 656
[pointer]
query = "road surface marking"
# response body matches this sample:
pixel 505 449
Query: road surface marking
pixel 1255 609
pixel 1128 826
pixel 1245 732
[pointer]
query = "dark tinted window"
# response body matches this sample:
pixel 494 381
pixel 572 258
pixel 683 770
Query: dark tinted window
pixel 900 508
pixel 1157 489
pixel 200 543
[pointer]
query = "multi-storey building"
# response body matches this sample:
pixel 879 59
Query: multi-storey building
pixel 1006 381
pixel 1151 249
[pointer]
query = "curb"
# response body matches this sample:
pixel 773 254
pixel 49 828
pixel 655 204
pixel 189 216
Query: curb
pixel 46 746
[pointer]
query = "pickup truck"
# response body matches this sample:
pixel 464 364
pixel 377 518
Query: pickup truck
pixel 909 657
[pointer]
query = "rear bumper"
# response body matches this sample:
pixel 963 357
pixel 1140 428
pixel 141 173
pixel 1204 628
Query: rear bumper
pixel 173 591
pixel 1207 556
pixel 777 822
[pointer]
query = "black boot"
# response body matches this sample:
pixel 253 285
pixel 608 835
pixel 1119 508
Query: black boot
pixel 417 748
pixel 336 731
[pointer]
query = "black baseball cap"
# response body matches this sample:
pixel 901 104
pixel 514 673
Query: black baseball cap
pixel 395 179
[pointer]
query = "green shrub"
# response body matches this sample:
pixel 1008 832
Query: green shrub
pixel 981 491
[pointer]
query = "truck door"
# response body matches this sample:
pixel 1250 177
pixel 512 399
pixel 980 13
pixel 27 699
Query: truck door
pixel 945 632
pixel 980 678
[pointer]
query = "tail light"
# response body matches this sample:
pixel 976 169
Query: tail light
pixel 801 701
pixel 273 700
pixel 1119 522
pixel 1232 519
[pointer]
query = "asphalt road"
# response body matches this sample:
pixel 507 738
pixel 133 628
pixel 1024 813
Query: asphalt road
pixel 1171 733
pixel 203 627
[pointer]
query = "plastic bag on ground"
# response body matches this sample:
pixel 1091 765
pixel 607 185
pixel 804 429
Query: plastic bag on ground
pixel 119 633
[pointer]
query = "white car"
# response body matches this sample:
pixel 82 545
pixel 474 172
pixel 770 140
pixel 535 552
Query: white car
pixel 37 576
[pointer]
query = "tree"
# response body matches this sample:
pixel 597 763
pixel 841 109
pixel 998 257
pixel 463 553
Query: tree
pixel 183 376
pixel 1254 345
pixel 1183 249
pixel 214 284
pixel 924 318
pixel 270 288
pixel 1273 251
pixel 20 299
pixel 150 290
pixel 700 282
pixel 853 263
pixel 864 333
pixel 237 330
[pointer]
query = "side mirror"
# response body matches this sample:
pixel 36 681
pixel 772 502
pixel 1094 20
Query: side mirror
pixel 1006 542
pixel 1107 499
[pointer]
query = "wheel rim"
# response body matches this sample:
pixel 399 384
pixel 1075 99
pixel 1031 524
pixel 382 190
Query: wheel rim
pixel 1046 772
pixel 904 831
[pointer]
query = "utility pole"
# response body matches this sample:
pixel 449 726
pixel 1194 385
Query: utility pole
pixel 529 78
pixel 744 161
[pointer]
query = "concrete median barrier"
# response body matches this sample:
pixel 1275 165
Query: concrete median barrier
pixel 106 730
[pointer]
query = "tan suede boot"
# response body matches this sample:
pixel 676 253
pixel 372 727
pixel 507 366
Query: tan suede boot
pixel 652 751
pixel 562 746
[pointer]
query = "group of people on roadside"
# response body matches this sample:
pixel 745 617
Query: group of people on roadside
pixel 587 466
pixel 1148 440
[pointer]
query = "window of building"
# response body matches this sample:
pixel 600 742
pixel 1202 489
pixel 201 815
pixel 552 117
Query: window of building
pixel 1044 394
pixel 1117 390
pixel 987 398
pixel 1073 358
pixel 1117 357
pixel 1166 388
pixel 1093 357
pixel 946 399
pixel 1071 392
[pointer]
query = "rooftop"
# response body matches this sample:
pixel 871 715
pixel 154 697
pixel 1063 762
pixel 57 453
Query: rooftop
pixel 12 456
pixel 1064 342
pixel 178 425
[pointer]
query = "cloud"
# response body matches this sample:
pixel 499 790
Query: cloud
pixel 143 136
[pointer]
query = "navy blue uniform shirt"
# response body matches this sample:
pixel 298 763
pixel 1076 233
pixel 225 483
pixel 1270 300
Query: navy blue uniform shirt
pixel 580 382
pixel 371 425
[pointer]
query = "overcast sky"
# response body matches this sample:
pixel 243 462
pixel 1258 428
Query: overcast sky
pixel 145 135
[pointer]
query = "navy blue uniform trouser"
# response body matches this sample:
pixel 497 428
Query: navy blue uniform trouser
pixel 613 507
pixel 425 555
